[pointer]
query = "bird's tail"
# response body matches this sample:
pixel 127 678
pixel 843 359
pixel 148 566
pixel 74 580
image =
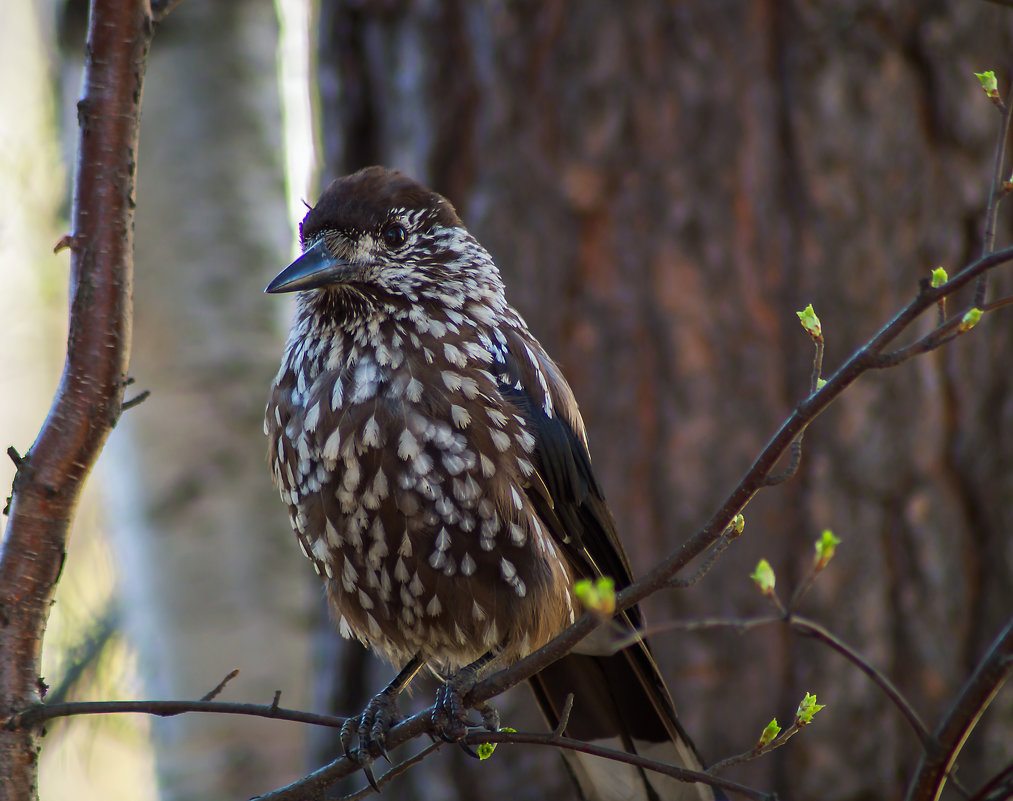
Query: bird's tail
pixel 621 702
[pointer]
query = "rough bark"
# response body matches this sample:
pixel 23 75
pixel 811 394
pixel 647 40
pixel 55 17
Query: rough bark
pixel 208 575
pixel 663 186
pixel 87 404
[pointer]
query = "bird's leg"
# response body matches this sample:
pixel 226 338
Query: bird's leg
pixel 380 714
pixel 450 716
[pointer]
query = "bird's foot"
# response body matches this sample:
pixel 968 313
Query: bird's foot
pixel 370 727
pixel 450 716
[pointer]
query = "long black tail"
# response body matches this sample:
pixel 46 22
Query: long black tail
pixel 620 701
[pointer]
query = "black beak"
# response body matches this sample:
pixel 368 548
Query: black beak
pixel 314 268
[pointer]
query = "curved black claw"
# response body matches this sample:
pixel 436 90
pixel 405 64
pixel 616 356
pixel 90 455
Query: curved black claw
pixel 370 727
pixel 450 716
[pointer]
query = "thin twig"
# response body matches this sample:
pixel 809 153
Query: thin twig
pixel 535 738
pixel 942 334
pixel 998 788
pixel 793 463
pixel 817 371
pixel 796 446
pixel 394 772
pixel 728 536
pixel 809 628
pixel 15 457
pixel 995 196
pixel 740 625
pixel 220 686
pixel 138 399
pixel 564 716
pixel 761 750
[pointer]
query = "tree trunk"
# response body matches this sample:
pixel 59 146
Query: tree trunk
pixel 663 185
pixel 210 580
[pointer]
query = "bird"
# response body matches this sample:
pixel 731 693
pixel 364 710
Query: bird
pixel 437 474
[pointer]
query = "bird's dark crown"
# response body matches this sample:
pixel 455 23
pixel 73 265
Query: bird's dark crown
pixel 363 201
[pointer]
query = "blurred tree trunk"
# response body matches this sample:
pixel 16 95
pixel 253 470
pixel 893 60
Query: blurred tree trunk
pixel 663 185
pixel 209 579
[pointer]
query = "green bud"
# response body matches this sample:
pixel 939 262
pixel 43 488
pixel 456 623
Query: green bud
pixel 485 750
pixel 806 709
pixel 810 322
pixel 825 547
pixel 969 321
pixel 738 524
pixel 598 595
pixel 989 83
pixel 939 277
pixel 763 577
pixel 769 733
pixel 820 383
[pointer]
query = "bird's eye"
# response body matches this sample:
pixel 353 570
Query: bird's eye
pixel 394 234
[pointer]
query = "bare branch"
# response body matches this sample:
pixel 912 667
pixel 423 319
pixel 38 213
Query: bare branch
pixel 728 536
pixel 951 733
pixel 220 686
pixel 395 771
pixel 792 467
pixel 995 195
pixel 760 750
pixel 564 716
pixel 809 628
pixel 35 716
pixel 137 400
pixel 533 738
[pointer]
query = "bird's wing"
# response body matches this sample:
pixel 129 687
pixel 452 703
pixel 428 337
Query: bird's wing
pixel 570 500
pixel 619 698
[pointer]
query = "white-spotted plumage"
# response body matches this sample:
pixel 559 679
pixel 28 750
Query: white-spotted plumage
pixel 372 422
pixel 430 452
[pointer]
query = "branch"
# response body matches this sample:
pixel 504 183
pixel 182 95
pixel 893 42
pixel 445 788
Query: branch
pixel 806 628
pixel 314 784
pixel 35 716
pixel 974 698
pixel 551 739
pixel 809 628
pixel 995 195
pixel 860 362
pixel 49 479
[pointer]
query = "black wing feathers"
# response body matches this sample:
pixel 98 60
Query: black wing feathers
pixel 614 695
pixel 575 512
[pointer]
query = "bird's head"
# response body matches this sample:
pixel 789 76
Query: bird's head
pixel 377 234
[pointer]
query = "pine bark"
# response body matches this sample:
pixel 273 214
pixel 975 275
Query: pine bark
pixel 663 185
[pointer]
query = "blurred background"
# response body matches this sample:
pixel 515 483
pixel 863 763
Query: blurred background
pixel 663 184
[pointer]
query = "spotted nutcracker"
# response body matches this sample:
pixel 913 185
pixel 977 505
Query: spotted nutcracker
pixel 436 472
